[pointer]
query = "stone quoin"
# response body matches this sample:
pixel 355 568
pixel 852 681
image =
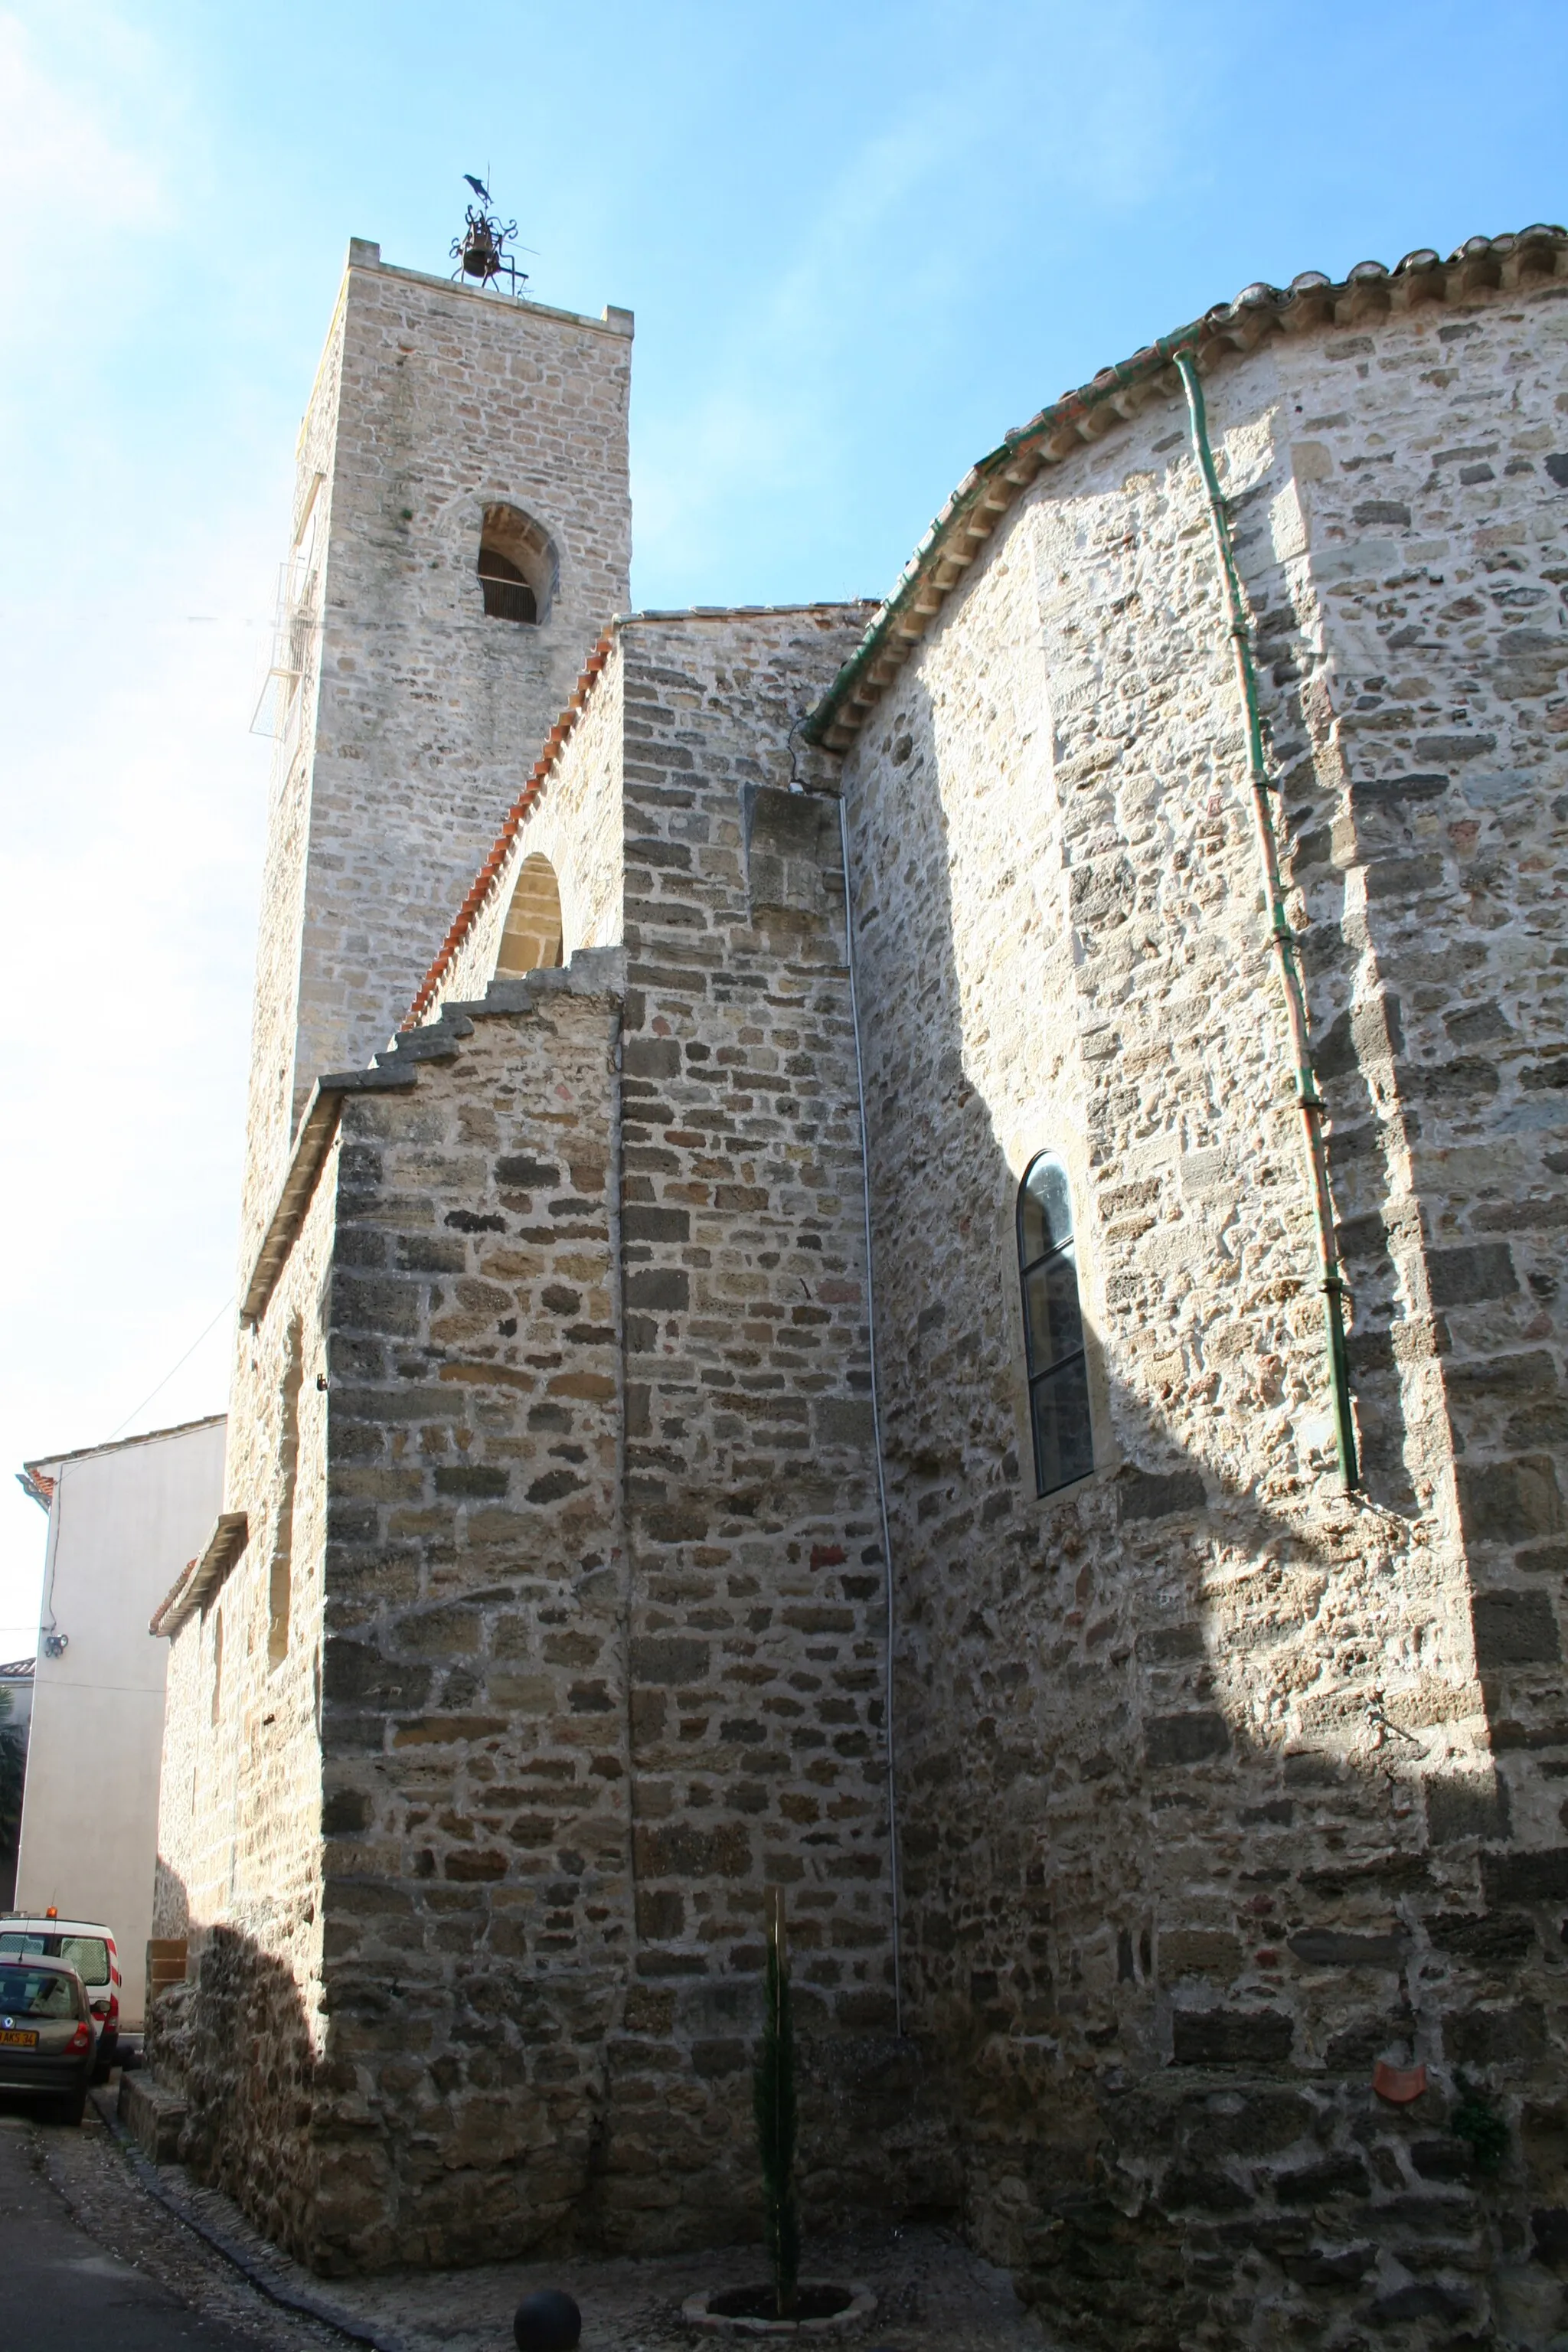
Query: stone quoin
pixel 904 1110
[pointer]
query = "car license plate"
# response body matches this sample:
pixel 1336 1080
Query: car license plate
pixel 15 2040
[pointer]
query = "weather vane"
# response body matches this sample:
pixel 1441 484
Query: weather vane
pixel 480 252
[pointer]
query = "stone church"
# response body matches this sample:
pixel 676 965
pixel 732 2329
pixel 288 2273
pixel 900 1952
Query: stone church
pixel 913 1253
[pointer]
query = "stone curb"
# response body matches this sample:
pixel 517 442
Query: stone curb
pixel 276 2290
pixel 695 2311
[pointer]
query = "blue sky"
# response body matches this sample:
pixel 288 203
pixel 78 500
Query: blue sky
pixel 861 240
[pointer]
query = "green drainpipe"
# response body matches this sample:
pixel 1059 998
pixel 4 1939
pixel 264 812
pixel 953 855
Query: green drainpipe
pixel 1306 1095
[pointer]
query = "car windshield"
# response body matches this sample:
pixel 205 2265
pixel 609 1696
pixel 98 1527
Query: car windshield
pixel 88 1955
pixel 37 1993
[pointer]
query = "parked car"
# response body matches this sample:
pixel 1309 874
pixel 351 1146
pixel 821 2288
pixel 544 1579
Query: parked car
pixel 47 2042
pixel 85 1945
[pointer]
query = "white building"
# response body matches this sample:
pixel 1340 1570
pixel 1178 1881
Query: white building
pixel 123 1521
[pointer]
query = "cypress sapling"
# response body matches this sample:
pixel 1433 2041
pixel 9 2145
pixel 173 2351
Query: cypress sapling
pixel 774 2103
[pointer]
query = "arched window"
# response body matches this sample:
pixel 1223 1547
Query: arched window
pixel 1053 1328
pixel 530 940
pixel 517 566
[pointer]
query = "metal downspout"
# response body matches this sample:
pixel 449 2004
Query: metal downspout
pixel 895 1877
pixel 1309 1100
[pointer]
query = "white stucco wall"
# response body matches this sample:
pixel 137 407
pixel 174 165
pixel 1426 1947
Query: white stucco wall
pixel 124 1522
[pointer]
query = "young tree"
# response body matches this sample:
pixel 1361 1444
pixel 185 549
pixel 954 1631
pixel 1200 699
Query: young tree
pixel 774 2102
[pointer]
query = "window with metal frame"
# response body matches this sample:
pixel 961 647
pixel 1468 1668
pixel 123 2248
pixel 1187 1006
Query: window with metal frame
pixel 1053 1328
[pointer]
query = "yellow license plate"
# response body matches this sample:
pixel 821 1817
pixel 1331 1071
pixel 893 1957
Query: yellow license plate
pixel 17 2041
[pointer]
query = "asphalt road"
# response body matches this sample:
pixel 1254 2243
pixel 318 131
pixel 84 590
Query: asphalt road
pixel 60 2291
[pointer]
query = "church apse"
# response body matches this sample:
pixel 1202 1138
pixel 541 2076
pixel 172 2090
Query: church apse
pixel 1225 1790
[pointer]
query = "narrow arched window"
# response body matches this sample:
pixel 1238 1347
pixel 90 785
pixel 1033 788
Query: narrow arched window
pixel 530 940
pixel 1053 1328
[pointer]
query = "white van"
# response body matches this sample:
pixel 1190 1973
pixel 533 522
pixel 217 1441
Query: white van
pixel 84 1945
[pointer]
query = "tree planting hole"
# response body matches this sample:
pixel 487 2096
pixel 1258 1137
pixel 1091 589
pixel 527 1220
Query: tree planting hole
pixel 761 2303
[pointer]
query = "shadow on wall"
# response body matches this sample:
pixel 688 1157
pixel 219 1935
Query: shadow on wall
pixel 516 2122
pixel 1199 1819
pixel 241 2057
pixel 483 2143
pixel 171 1904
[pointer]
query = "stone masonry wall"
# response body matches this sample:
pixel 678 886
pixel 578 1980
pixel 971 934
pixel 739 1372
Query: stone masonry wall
pixel 269 1120
pixel 758 1728
pixel 1435 614
pixel 754 1593
pixel 1195 1753
pixel 1438 496
pixel 428 714
pixel 477 1892
pixel 454 1833
pixel 603 1653
pixel 576 822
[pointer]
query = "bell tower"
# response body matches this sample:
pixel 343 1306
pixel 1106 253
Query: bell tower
pixel 461 533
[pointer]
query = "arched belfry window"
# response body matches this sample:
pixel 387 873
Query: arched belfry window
pixel 1053 1328
pixel 517 566
pixel 531 939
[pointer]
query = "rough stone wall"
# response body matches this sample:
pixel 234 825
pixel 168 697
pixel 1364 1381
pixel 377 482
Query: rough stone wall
pixel 425 2082
pixel 751 1671
pixel 434 403
pixel 757 1658
pixel 605 1597
pixel 566 2052
pixel 1432 609
pixel 1194 1754
pixel 240 1852
pixel 1437 499
pixel 280 918
pixel 576 822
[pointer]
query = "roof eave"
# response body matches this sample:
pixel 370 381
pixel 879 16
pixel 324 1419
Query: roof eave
pixel 991 488
pixel 201 1576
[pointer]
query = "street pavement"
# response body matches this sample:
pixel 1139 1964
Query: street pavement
pixel 60 2291
pixel 90 2261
